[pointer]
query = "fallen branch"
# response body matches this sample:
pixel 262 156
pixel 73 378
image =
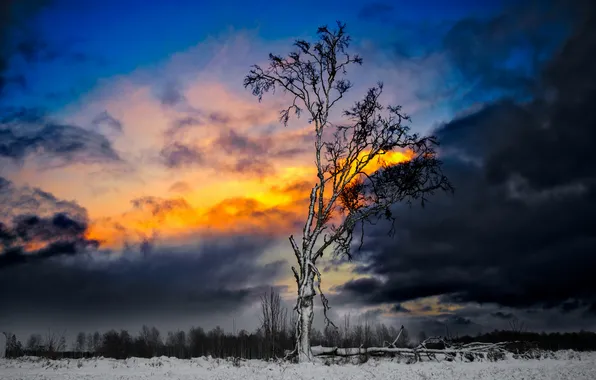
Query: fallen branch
pixel 397 338
pixel 448 351
pixel 321 351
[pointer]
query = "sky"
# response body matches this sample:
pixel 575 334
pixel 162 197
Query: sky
pixel 140 183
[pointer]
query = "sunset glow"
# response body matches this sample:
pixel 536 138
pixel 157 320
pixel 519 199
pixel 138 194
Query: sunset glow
pixel 272 204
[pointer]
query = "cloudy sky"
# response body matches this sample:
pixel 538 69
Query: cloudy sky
pixel 140 183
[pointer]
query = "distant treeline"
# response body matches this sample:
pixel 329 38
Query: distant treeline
pixel 274 336
pixel 197 342
pixel 258 345
pixel 149 342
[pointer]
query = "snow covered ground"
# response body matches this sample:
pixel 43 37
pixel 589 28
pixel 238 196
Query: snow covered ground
pixel 568 365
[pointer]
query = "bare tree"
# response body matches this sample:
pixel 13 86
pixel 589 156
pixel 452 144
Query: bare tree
pixel 382 334
pixel 176 343
pixel 516 326
pixel 152 339
pixel 34 343
pixel 404 339
pixel 273 320
pixel 54 342
pixel 96 341
pixel 80 340
pixel 89 343
pixel 345 331
pixel 347 192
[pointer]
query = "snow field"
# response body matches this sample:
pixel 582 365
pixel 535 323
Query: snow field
pixel 567 365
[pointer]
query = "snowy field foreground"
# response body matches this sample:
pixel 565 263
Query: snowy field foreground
pixel 567 365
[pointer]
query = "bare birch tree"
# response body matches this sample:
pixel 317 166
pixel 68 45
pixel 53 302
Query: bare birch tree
pixel 345 195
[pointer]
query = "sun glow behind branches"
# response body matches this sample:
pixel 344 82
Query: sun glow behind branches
pixel 387 159
pixel 275 204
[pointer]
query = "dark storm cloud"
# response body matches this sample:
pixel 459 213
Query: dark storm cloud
pixel 473 319
pixel 218 275
pixel 399 308
pixel 22 45
pixel 17 255
pixel 16 115
pixel 445 325
pixel 26 131
pixel 501 315
pixel 35 51
pixel 68 143
pixel 34 225
pixel 519 230
pixel 29 132
pixel 504 53
pixel 460 321
pixel 14 39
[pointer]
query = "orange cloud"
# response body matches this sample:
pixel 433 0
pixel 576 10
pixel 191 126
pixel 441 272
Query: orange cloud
pixel 240 215
pixel 275 204
pixel 389 158
pixel 274 211
pixel 385 159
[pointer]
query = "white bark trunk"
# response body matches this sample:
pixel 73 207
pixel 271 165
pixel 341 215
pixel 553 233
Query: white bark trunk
pixel 305 320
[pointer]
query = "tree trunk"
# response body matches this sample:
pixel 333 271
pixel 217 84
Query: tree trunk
pixel 306 315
